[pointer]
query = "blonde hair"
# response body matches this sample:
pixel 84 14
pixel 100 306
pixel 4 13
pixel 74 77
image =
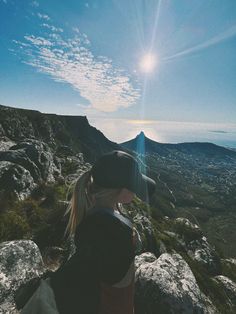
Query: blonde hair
pixel 85 195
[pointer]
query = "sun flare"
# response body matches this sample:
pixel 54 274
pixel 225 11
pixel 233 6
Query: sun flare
pixel 148 63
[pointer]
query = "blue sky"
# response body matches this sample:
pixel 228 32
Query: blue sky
pixel 84 58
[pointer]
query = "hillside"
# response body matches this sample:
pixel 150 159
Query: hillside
pixel 178 269
pixel 74 132
pixel 197 181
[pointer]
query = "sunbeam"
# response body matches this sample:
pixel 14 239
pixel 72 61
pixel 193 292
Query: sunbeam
pixel 231 32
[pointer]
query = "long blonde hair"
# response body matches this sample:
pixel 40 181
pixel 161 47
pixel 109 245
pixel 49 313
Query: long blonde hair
pixel 85 195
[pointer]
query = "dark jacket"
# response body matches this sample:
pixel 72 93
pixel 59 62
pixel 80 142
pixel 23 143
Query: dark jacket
pixel 104 254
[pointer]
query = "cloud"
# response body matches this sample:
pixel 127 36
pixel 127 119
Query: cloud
pixel 219 131
pixel 35 4
pixel 43 16
pixel 52 28
pixel 70 60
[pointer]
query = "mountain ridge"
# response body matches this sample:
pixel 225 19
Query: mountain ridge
pixel 142 142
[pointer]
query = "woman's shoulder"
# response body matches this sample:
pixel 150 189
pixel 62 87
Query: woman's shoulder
pixel 108 217
pixel 104 221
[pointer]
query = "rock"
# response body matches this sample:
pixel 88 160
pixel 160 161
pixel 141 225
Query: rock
pixel 146 257
pixel 197 245
pixel 5 143
pixel 145 229
pixel 64 151
pixel 229 288
pixel 20 261
pixel 202 252
pixel 230 261
pixel 15 181
pixel 187 229
pixel 36 157
pixel 167 285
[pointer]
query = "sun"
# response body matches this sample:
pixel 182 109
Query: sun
pixel 148 63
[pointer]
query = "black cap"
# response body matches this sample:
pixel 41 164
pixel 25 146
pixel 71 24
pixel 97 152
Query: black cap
pixel 118 169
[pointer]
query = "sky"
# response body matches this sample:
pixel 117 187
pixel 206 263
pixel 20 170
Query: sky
pixel 166 67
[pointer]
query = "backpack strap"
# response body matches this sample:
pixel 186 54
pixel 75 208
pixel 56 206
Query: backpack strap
pixel 119 216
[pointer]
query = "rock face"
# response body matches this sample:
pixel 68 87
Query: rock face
pixel 15 180
pixel 167 285
pixel 19 262
pixel 25 165
pixel 197 245
pixel 229 288
pixel 36 157
pixel 145 229
pixel 55 130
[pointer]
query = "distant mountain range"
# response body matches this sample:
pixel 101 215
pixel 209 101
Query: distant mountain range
pixel 76 132
pixel 143 144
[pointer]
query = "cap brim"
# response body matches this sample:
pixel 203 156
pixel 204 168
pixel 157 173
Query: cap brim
pixel 145 188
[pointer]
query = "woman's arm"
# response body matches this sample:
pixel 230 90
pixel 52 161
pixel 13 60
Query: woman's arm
pixel 115 262
pixel 118 298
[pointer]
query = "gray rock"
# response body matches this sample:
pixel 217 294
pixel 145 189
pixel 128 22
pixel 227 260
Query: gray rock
pixel 20 261
pixel 202 252
pixel 187 229
pixel 145 229
pixel 36 157
pixel 5 143
pixel 146 257
pixel 197 245
pixel 167 285
pixel 15 181
pixel 229 287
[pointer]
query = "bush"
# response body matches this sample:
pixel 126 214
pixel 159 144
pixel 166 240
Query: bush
pixel 13 226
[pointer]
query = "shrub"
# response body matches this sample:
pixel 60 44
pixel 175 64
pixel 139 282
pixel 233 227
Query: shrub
pixel 13 226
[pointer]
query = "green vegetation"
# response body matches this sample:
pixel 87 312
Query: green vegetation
pixel 40 218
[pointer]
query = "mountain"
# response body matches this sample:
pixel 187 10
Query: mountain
pixel 196 181
pixel 74 132
pixel 143 144
pixel 178 269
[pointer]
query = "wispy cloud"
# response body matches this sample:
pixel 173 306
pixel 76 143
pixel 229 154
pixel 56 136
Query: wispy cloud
pixel 52 28
pixel 231 32
pixel 219 131
pixel 43 16
pixel 70 60
pixel 35 4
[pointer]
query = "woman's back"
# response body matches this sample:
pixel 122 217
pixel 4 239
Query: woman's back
pixel 104 255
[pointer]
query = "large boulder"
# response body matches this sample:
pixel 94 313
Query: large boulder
pixel 20 261
pixel 15 181
pixel 167 285
pixel 36 157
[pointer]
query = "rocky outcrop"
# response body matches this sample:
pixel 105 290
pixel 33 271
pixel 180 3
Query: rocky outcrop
pixel 20 261
pixel 55 130
pixel 15 181
pixel 229 288
pixel 25 165
pixel 146 231
pixel 197 246
pixel 36 157
pixel 167 285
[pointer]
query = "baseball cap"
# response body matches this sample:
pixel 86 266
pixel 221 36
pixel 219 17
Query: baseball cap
pixel 118 169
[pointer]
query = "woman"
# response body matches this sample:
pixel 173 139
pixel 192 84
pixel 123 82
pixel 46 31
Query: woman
pixel 99 277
